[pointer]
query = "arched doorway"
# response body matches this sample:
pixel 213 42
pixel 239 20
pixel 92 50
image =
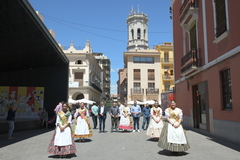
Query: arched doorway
pixel 80 96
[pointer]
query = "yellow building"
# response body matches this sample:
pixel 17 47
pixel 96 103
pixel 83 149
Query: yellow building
pixel 167 66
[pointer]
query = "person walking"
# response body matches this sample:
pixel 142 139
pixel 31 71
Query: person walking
pixel 146 116
pixel 11 119
pixel 94 115
pixel 125 121
pixel 83 128
pixel 45 118
pixel 114 113
pixel 62 142
pixel 102 115
pixel 136 112
pixel 156 123
pixel 172 137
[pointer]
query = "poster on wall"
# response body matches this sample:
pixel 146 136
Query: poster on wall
pixel 27 100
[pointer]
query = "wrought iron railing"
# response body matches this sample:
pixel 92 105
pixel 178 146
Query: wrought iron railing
pixel 167 60
pixel 167 76
pixel 152 91
pixel 96 87
pixel 191 59
pixel 185 7
pixel 137 91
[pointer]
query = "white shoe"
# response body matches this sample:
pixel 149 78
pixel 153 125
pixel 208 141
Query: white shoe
pixel 138 130
pixel 134 130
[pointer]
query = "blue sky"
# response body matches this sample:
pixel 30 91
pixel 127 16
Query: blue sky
pixel 103 23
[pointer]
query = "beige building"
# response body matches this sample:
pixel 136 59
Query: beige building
pixel 143 80
pixel 167 66
pixel 84 74
pixel 105 64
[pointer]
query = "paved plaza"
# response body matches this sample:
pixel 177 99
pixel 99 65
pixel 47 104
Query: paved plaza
pixel 32 145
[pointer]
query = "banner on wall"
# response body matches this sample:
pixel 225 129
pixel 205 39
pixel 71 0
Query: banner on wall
pixel 27 100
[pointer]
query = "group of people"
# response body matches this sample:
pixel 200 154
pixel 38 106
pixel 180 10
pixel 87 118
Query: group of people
pixel 170 134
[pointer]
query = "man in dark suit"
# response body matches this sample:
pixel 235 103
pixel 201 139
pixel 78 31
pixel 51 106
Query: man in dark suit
pixel 102 115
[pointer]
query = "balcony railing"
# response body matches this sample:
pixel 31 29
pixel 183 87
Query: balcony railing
pixel 187 4
pixel 167 77
pixel 169 60
pixel 96 87
pixel 137 91
pixel 190 61
pixel 152 91
pixel 106 64
pixel 107 86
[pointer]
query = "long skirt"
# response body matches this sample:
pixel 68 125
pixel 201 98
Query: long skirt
pixel 154 129
pixel 174 147
pixel 82 129
pixel 125 123
pixel 61 150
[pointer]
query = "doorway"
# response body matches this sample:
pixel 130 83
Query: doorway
pixel 200 106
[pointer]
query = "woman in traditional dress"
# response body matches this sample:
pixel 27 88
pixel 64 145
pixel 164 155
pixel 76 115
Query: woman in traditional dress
pixel 125 120
pixel 156 123
pixel 62 142
pixel 173 137
pixel 83 128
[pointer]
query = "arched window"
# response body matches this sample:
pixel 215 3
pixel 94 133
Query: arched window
pixel 144 36
pixel 132 34
pixel 78 62
pixel 138 33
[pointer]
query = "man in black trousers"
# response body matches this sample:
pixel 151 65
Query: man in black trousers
pixel 114 112
pixel 102 115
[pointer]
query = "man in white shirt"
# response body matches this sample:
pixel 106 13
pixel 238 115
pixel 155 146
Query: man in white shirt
pixel 102 115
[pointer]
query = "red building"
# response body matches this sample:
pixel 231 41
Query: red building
pixel 206 52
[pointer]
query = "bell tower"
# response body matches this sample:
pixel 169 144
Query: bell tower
pixel 137 31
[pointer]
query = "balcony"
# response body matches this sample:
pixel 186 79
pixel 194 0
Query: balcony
pixel 167 61
pixel 190 62
pixel 167 77
pixel 152 91
pixel 107 72
pixel 105 64
pixel 107 79
pixel 188 7
pixel 76 84
pixel 96 87
pixel 107 86
pixel 137 91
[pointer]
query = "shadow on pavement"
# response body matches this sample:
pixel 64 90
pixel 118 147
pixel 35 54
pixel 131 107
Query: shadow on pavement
pixel 124 131
pixel 69 156
pixel 21 135
pixel 217 140
pixel 153 139
pixel 174 154
pixel 85 141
